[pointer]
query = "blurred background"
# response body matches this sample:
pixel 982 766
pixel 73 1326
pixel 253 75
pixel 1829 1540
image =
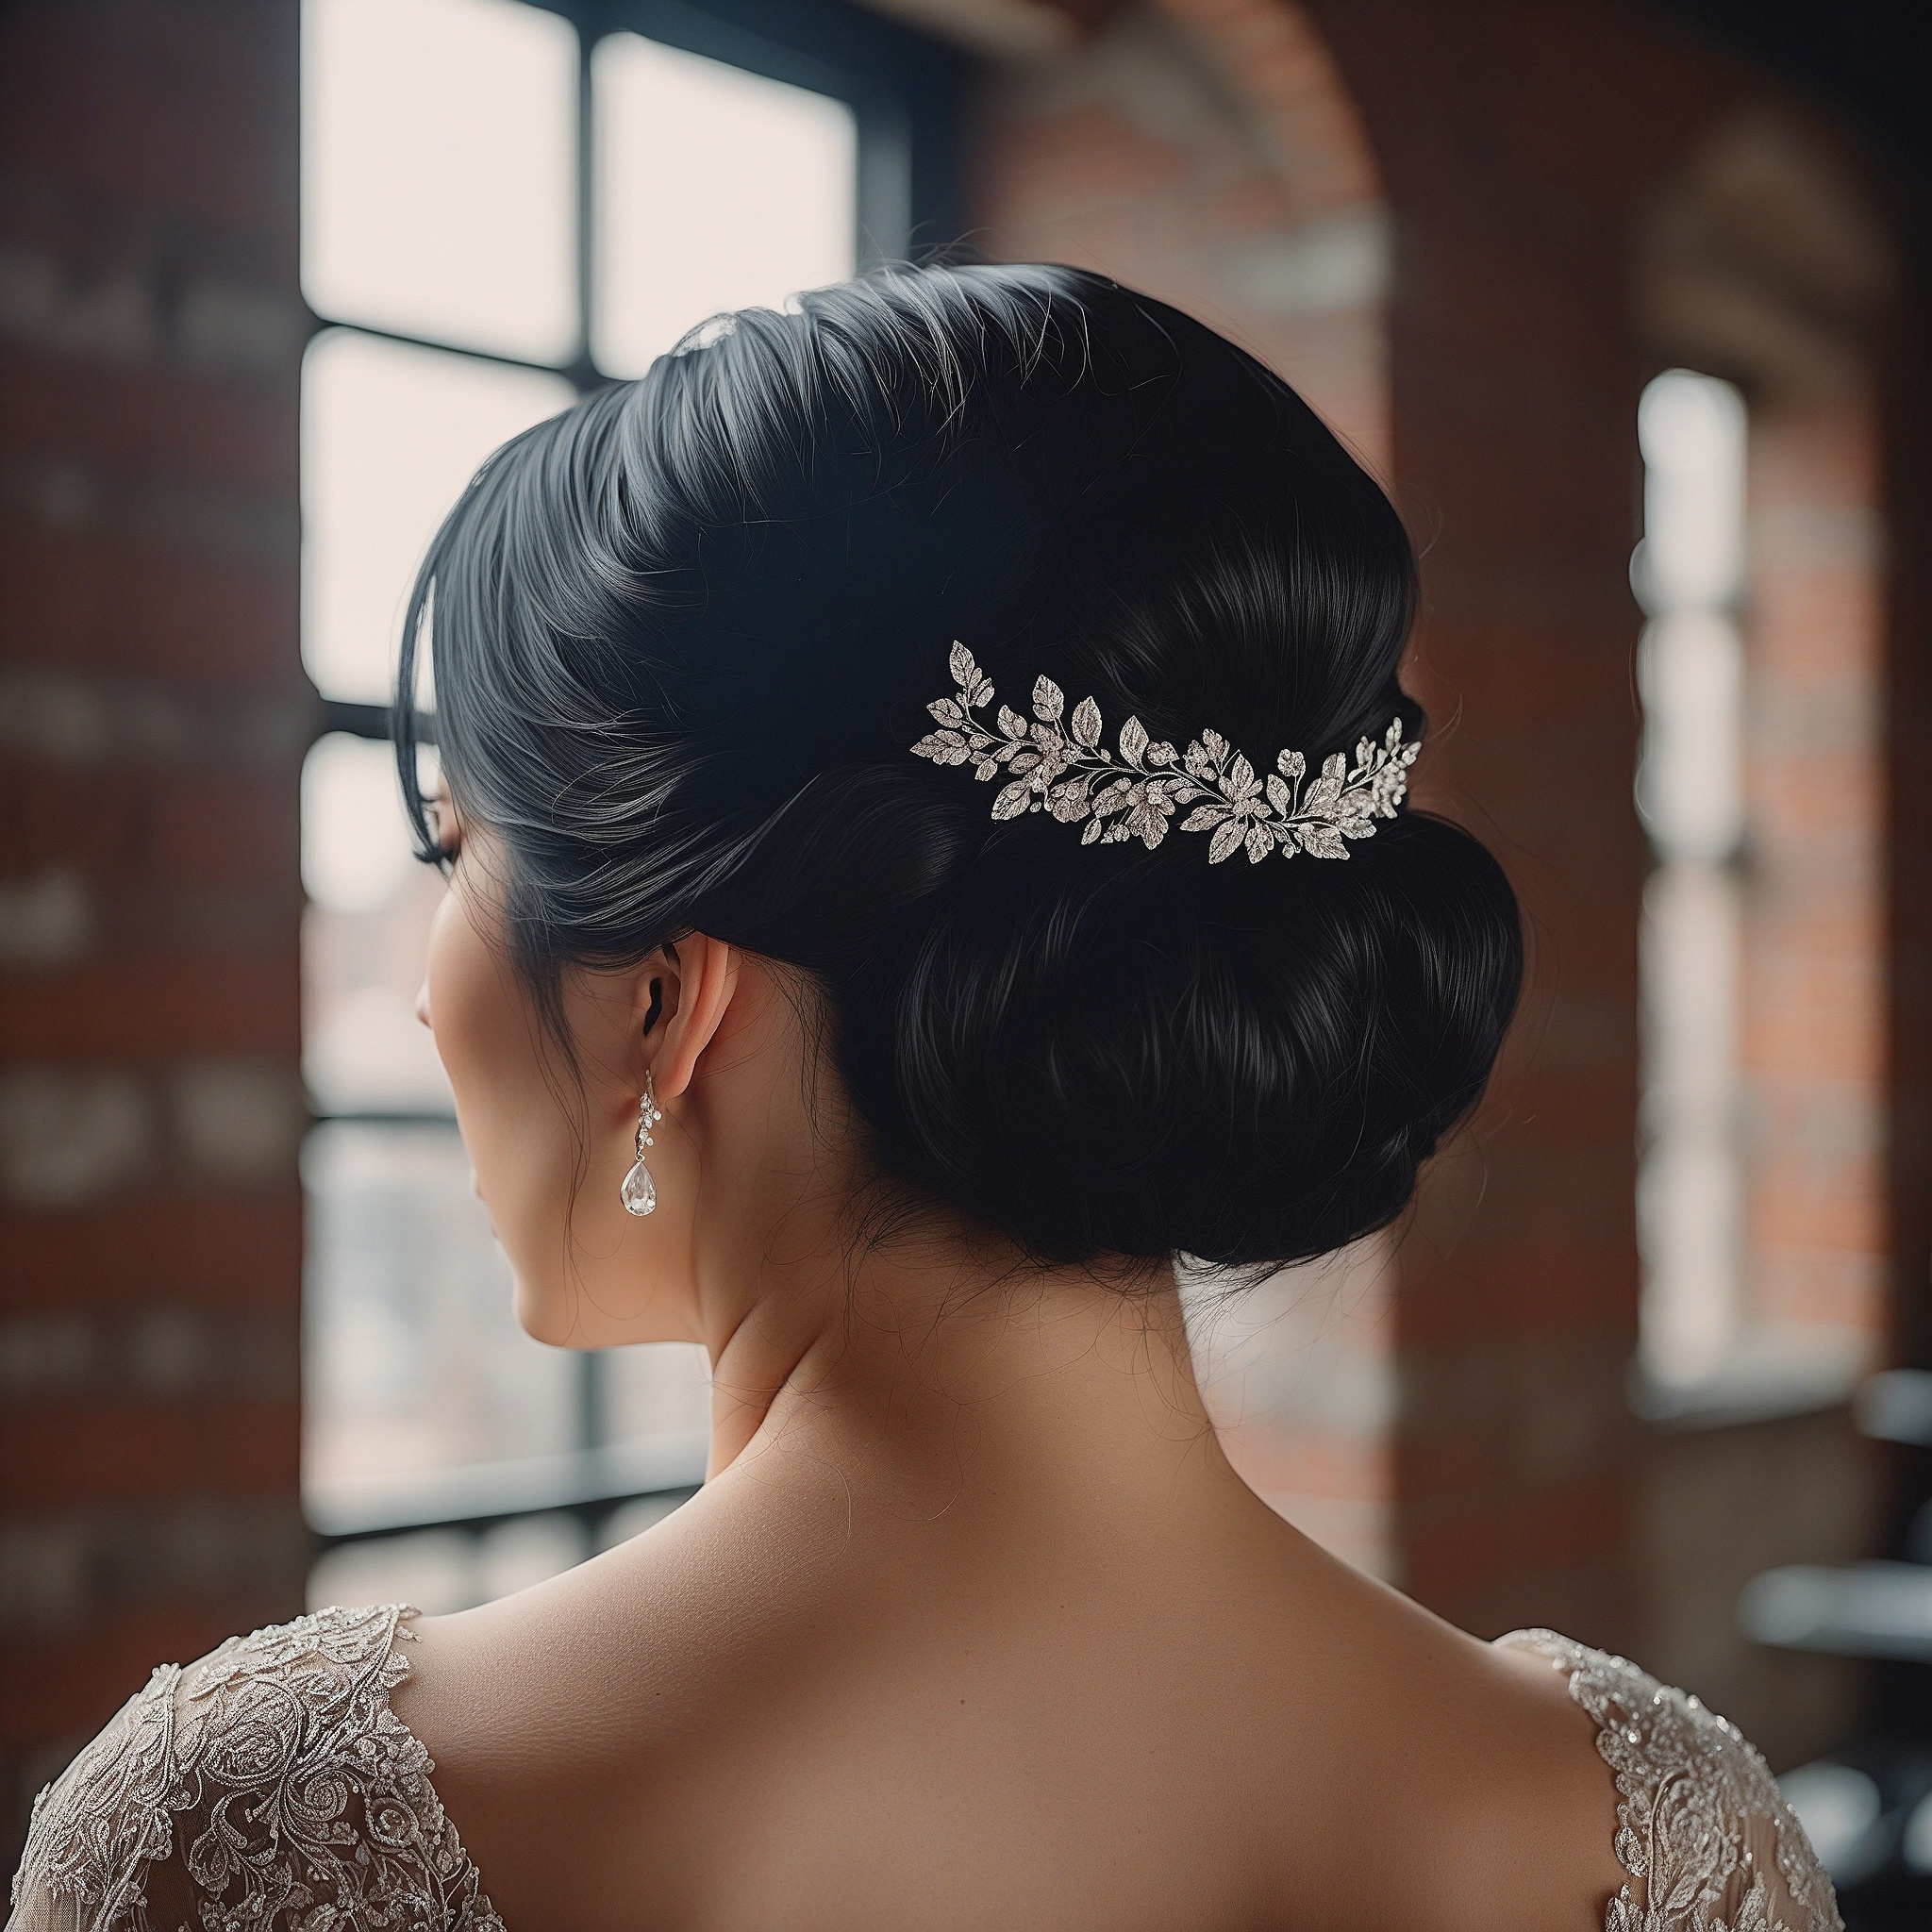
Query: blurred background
pixel 1625 303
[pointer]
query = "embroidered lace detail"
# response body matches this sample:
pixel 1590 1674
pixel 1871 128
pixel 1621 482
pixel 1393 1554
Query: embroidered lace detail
pixel 275 1779
pixel 1707 1841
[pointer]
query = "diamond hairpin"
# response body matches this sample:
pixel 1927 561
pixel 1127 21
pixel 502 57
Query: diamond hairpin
pixel 1057 763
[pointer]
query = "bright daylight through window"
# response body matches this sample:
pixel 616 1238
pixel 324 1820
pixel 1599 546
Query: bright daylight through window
pixel 469 297
pixel 1689 575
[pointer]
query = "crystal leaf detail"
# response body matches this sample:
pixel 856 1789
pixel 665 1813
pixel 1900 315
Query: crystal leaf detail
pixel 1074 776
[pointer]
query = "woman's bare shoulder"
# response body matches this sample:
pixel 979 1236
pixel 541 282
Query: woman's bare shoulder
pixel 1409 1774
pixel 619 1652
pixel 1468 1780
pixel 577 1727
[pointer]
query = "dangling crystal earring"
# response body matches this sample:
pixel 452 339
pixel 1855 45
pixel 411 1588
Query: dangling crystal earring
pixel 640 1191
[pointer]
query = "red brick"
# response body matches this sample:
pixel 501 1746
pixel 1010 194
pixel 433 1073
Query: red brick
pixel 147 1010
pixel 126 824
pixel 229 831
pixel 220 1252
pixel 56 1455
pixel 1517 147
pixel 151 422
pixel 173 106
pixel 73 602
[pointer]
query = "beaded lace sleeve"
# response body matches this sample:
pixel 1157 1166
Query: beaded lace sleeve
pixel 269 1786
pixel 1705 1841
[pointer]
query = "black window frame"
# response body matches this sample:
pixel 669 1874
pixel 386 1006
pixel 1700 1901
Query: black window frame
pixel 905 91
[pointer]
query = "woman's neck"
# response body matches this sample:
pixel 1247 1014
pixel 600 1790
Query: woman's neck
pixel 934 1364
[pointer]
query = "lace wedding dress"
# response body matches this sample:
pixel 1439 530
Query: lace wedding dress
pixel 270 1787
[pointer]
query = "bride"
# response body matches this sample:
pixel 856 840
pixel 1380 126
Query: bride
pixel 926 816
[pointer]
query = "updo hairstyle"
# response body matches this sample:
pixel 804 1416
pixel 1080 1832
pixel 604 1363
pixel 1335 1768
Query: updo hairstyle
pixel 684 635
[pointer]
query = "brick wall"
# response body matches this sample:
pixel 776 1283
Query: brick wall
pixel 1512 161
pixel 1204 150
pixel 153 718
pixel 1905 463
pixel 1516 143
pixel 1814 996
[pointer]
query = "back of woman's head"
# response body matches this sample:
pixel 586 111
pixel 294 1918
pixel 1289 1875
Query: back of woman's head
pixel 684 635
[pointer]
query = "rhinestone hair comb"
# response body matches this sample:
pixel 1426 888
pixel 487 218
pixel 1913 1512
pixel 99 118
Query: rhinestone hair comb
pixel 1058 764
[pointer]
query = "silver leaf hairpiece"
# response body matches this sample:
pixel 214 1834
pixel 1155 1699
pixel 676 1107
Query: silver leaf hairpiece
pixel 1062 767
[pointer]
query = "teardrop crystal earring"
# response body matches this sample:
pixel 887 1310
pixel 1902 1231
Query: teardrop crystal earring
pixel 640 1191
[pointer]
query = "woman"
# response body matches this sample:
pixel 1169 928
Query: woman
pixel 867 956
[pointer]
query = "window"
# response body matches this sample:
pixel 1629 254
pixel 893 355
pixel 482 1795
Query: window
pixel 1688 573
pixel 503 209
pixel 1761 1158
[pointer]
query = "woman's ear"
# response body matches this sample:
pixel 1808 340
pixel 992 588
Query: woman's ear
pixel 681 997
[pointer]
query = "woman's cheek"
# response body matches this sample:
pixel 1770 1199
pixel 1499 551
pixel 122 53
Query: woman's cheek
pixel 508 1114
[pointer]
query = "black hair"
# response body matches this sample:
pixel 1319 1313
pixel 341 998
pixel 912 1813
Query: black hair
pixel 684 635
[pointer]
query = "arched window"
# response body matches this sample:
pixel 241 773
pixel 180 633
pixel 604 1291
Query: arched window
pixel 1762 1206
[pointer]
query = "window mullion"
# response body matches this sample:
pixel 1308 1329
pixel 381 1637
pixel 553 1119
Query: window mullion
pixel 444 348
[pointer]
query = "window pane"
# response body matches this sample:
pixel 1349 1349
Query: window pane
pixel 443 1570
pixel 439 166
pixel 1691 430
pixel 355 841
pixel 660 1388
pixel 715 188
pixel 364 936
pixel 390 434
pixel 1691 1176
pixel 1688 573
pixel 413 1362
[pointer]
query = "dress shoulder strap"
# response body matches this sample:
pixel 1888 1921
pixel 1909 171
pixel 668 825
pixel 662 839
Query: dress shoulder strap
pixel 267 1785
pixel 1703 1835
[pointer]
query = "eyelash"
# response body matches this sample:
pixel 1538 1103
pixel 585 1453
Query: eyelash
pixel 431 851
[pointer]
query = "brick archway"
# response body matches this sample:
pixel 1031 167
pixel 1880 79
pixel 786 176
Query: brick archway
pixel 1209 152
